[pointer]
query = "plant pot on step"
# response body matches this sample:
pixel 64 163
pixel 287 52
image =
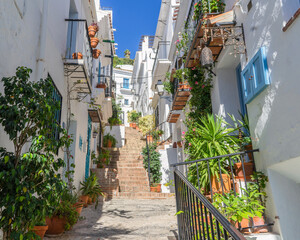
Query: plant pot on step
pixel 101 85
pixel 179 144
pixel 40 231
pixel 109 143
pixel 96 53
pixel 130 125
pixel 244 224
pixel 134 125
pixel 90 201
pixel 258 221
pixel 94 42
pixel 84 199
pixel 56 225
pixel 77 55
pixel 78 207
pixel 239 173
pixel 216 184
pixel 156 188
pixel 137 128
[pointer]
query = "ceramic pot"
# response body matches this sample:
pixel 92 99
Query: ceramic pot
pixel 216 184
pixel 96 53
pixel 56 226
pixel 257 221
pixel 101 85
pixel 156 189
pixel 248 166
pixel 84 199
pixel 78 207
pixel 40 231
pixel 94 42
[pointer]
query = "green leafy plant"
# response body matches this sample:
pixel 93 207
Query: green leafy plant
pixel 146 124
pixel 29 180
pixel 91 187
pixel 155 164
pixel 239 207
pixel 134 116
pixel 259 184
pixel 108 138
pixel 114 122
pixel 102 159
pixel 210 138
pixel 168 87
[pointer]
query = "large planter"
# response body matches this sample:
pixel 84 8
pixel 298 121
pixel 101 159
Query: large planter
pixel 94 42
pixel 96 53
pixel 248 166
pixel 56 225
pixel 258 221
pixel 78 207
pixel 157 188
pixel 40 231
pixel 216 184
pixel 84 199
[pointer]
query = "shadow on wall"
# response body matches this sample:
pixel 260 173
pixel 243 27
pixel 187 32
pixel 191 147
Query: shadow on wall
pixel 108 176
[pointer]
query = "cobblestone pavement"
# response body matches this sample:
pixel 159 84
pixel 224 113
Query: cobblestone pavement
pixel 126 219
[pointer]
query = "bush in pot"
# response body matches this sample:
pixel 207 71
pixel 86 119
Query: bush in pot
pixel 146 124
pixel 109 141
pixel 103 158
pixel 27 114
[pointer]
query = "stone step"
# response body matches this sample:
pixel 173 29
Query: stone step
pixel 133 182
pixel 263 236
pixel 144 195
pixel 132 178
pixel 134 188
pixel 131 165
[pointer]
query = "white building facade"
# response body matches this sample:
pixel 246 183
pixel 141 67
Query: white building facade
pixel 43 36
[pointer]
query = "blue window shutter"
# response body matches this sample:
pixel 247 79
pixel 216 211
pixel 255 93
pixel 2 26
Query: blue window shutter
pixel 240 89
pixel 260 72
pixel 247 83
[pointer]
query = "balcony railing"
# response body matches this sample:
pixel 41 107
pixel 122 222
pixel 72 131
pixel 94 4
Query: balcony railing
pixel 162 53
pixel 180 95
pixel 78 43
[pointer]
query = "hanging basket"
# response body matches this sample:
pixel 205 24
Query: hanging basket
pixel 92 31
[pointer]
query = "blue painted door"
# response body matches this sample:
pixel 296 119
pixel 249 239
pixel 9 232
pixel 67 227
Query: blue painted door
pixel 88 150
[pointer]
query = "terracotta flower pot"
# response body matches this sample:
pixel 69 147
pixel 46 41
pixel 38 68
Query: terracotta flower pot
pixel 149 138
pixel 179 144
pixel 134 125
pixel 77 55
pixel 101 85
pixel 40 231
pixel 137 128
pixel 78 207
pixel 257 221
pixel 92 31
pixel 130 124
pixel 109 143
pixel 96 53
pixel 94 42
pixel 56 226
pixel 216 184
pixel 244 224
pixel 90 200
pixel 248 166
pixel 84 199
pixel 156 188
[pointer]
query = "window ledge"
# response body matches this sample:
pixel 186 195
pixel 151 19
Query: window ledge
pixel 292 19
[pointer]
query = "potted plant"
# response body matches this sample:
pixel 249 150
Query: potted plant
pixel 109 141
pixel 114 122
pixel 91 188
pixel 93 29
pixel 77 55
pixel 40 228
pixel 155 166
pixel 103 158
pixel 146 124
pixel 94 42
pixel 96 53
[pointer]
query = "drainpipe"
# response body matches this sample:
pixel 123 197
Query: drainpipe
pixel 42 43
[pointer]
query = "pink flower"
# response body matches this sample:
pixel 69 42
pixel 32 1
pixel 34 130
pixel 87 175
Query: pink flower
pixel 194 129
pixel 190 144
pixel 178 40
pixel 196 83
pixel 193 68
pixel 68 136
pixel 71 156
pixel 191 88
pixel 183 132
pixel 203 86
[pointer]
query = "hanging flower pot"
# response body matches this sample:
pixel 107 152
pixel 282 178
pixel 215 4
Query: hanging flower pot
pixel 96 53
pixel 92 31
pixel 77 55
pixel 94 42
pixel 95 25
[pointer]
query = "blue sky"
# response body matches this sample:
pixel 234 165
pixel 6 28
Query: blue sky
pixel 132 19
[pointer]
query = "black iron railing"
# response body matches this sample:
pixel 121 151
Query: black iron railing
pixel 197 218
pixel 79 43
pixel 230 175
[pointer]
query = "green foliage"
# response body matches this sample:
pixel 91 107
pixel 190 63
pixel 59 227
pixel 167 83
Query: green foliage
pixel 182 42
pixel 155 164
pixel 210 138
pixel 235 208
pixel 111 138
pixel 134 116
pixel 30 181
pixel 122 61
pixel 91 187
pixel 156 134
pixel 114 122
pixel 146 124
pixel 259 184
pixel 168 87
pixel 103 158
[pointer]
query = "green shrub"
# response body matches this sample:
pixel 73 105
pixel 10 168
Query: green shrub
pixel 146 124
pixel 155 164
pixel 107 138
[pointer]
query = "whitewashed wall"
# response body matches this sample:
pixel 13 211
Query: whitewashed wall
pixel 118 132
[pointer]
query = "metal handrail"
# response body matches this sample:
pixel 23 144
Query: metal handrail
pixel 189 200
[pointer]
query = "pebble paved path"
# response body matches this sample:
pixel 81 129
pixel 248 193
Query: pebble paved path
pixel 135 219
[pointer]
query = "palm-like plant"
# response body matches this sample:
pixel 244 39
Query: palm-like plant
pixel 210 138
pixel 91 188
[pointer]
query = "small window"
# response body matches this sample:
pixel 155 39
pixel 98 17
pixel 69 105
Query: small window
pixel 126 101
pixel 255 76
pixel 126 83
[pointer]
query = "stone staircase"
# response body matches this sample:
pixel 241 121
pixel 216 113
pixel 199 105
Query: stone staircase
pixel 125 177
